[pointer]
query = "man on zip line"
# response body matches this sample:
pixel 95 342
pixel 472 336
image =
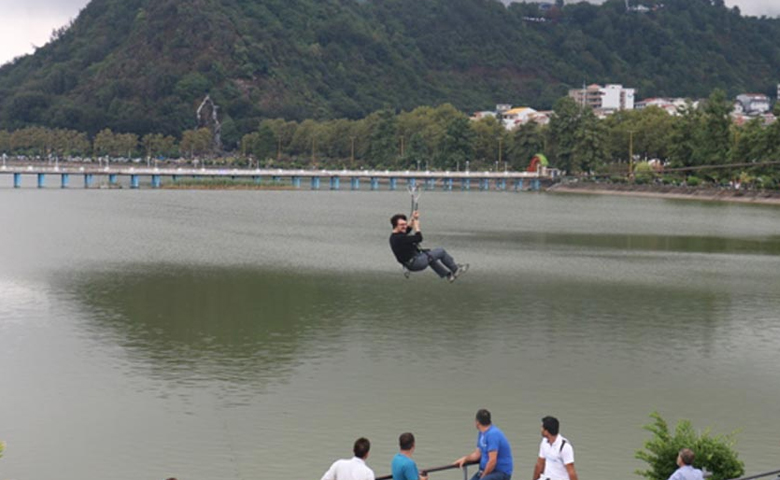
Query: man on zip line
pixel 406 247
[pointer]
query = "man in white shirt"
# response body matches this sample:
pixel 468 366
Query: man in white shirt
pixel 354 468
pixel 686 470
pixel 556 455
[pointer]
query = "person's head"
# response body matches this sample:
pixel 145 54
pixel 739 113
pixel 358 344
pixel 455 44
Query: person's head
pixel 685 457
pixel 361 448
pixel 550 425
pixel 483 418
pixel 398 221
pixel 406 441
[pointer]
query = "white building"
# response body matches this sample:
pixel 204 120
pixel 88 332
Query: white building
pixel 754 103
pixel 517 116
pixel 609 97
pixel 672 106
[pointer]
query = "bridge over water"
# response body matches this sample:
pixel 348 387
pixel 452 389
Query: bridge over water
pixel 114 176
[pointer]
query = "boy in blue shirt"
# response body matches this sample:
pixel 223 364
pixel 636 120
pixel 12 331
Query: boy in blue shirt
pixel 403 467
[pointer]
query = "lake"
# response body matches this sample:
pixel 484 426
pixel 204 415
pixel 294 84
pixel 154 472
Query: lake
pixel 256 334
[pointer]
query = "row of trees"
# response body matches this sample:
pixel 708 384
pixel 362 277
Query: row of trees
pixel 575 141
pixel 444 138
pixel 45 142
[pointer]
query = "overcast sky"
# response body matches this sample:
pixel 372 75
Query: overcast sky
pixel 27 24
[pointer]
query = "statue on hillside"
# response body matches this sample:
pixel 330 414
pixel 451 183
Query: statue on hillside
pixel 208 118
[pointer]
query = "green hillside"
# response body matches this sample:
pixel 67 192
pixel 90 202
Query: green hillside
pixel 143 66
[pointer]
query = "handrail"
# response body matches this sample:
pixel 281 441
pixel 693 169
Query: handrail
pixel 752 477
pixel 435 469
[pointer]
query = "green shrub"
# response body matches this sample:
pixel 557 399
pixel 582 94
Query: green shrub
pixel 767 182
pixel 2 447
pixel 713 453
pixel 693 181
pixel 670 180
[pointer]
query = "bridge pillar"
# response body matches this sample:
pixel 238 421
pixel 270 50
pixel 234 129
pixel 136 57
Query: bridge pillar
pixel 65 180
pixel 465 184
pixel 276 179
pixel 315 183
pixel 430 183
pixel 112 179
pixel 412 182
pixel 134 181
pixel 335 183
pixel 448 184
pixel 536 184
pixel 355 183
pixel 518 184
pixel 374 183
pixel 155 181
pixel 393 183
pixel 484 184
pixel 88 180
pixel 501 184
pixel 41 180
pixel 296 182
pixel 17 180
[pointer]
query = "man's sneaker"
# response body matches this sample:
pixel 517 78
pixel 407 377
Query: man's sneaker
pixel 457 273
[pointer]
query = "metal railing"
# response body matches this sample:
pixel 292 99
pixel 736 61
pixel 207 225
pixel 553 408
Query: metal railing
pixel 451 466
pixel 775 473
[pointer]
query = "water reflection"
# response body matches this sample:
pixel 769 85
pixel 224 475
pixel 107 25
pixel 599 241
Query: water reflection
pixel 250 327
pixel 218 324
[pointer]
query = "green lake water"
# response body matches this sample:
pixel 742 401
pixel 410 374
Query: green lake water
pixel 255 334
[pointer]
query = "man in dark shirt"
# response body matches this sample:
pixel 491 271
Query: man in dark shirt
pixel 406 247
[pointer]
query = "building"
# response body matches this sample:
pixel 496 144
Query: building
pixel 517 116
pixel 610 97
pixel 753 103
pixel 671 106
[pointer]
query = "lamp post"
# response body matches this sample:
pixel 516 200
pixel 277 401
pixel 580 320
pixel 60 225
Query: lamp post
pixel 500 140
pixel 352 154
pixel 630 154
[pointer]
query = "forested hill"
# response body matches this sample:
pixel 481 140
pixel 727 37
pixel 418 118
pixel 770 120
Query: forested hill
pixel 144 65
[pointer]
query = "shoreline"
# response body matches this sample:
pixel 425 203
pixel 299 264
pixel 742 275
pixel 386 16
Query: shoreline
pixel 704 194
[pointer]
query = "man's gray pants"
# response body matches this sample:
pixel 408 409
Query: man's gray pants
pixel 438 259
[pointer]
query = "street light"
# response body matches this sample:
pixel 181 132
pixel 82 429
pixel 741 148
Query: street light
pixel 352 154
pixel 500 140
pixel 630 153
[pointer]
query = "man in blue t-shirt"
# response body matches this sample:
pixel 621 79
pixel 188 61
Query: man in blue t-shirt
pixel 403 467
pixel 493 451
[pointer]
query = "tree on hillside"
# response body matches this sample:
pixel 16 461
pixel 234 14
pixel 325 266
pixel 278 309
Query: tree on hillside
pixel 714 141
pixel 562 132
pixel 527 141
pixel 196 142
pixel 456 146
pixel 487 132
pixel 383 141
